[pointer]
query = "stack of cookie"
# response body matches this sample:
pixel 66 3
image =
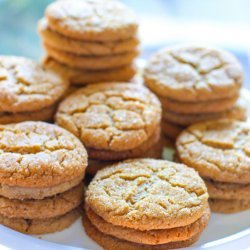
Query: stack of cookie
pixel 195 84
pixel 27 90
pixel 41 172
pixel 146 204
pixel 115 121
pixel 90 41
pixel 219 151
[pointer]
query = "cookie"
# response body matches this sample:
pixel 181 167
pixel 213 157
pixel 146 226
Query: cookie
pixel 45 114
pixel 111 116
pixel 42 226
pixel 60 42
pixel 202 107
pixel 112 243
pixel 228 206
pixel 27 86
pixel 147 194
pixel 91 62
pixel 83 77
pixel 189 73
pixel 137 152
pixel 171 130
pixel 155 152
pixel 150 237
pixel 92 20
pixel 42 209
pixel 238 112
pixel 227 191
pixel 218 150
pixel 39 155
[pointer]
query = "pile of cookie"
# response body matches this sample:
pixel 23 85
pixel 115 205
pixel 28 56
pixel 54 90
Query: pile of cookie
pixel 146 204
pixel 90 41
pixel 28 91
pixel 41 171
pixel 219 151
pixel 194 84
pixel 115 121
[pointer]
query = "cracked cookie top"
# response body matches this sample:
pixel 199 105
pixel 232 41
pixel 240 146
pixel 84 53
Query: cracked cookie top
pixel 219 150
pixel 193 73
pixel 148 194
pixel 38 154
pixel 92 20
pixel 27 86
pixel 111 116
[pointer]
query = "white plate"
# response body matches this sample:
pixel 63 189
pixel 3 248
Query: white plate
pixel 224 232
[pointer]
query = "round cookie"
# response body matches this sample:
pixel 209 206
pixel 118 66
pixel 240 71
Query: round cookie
pixel 27 86
pixel 42 209
pixel 67 44
pixel 238 112
pixel 189 73
pixel 147 194
pixel 111 116
pixel 91 62
pixel 45 114
pixel 92 20
pixel 112 243
pixel 39 155
pixel 171 130
pixel 83 77
pixel 218 150
pixel 150 237
pixel 228 206
pixel 227 191
pixel 202 107
pixel 42 226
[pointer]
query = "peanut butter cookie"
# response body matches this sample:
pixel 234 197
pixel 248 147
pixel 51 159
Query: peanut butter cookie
pixel 92 20
pixel 147 194
pixel 37 155
pixel 190 73
pixel 111 116
pixel 218 150
pixel 60 42
pixel 27 86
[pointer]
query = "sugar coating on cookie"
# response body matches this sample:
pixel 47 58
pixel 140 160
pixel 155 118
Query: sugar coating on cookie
pixel 93 20
pixel 148 194
pixel 111 116
pixel 193 73
pixel 27 86
pixel 38 154
pixel 218 150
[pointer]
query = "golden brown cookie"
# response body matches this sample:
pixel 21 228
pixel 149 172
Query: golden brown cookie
pixel 45 114
pixel 111 116
pixel 171 130
pixel 91 62
pixel 112 243
pixel 227 191
pixel 202 107
pixel 83 77
pixel 150 237
pixel 92 20
pixel 189 73
pixel 147 194
pixel 218 150
pixel 42 209
pixel 42 226
pixel 238 112
pixel 27 86
pixel 137 152
pixel 228 206
pixel 39 155
pixel 64 43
